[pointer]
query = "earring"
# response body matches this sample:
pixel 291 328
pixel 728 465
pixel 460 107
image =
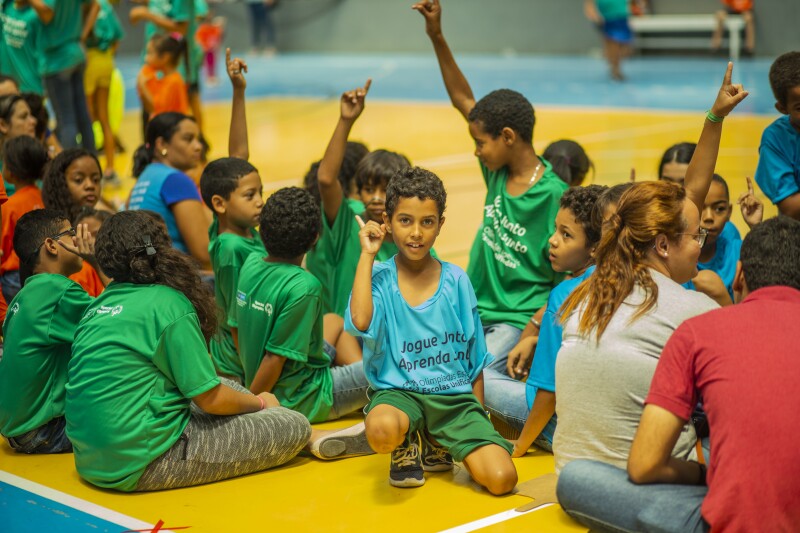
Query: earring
pixel 164 152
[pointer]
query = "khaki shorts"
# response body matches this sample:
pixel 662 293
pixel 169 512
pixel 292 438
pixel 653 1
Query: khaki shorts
pixel 99 68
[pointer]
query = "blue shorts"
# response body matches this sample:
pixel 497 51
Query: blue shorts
pixel 618 30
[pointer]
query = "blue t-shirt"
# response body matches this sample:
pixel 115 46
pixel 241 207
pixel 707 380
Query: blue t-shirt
pixel 435 348
pixel 778 172
pixel 158 189
pixel 729 243
pixel 543 368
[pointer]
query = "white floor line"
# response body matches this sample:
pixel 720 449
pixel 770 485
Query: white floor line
pixel 77 503
pixel 490 520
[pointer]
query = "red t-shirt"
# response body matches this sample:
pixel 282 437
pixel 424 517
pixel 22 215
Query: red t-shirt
pixel 744 361
pixel 25 199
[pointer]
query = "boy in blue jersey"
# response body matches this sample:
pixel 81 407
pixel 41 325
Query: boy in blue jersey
pixel 424 349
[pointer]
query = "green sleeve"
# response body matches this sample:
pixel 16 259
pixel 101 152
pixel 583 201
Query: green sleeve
pixel 294 328
pixel 182 356
pixel 68 312
pixel 228 279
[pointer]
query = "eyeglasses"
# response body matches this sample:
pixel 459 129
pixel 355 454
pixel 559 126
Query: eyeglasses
pixel 70 232
pixel 699 237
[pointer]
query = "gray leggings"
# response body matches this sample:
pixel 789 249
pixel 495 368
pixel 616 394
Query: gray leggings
pixel 213 448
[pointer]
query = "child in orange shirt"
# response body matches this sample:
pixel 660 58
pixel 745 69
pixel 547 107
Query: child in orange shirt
pixel 24 162
pixel 736 7
pixel 161 87
pixel 87 277
pixel 209 37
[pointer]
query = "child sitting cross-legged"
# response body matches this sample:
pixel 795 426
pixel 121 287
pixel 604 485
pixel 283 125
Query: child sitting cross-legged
pixel 424 349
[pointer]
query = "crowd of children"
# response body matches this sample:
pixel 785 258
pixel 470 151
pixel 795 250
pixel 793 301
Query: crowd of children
pixel 329 299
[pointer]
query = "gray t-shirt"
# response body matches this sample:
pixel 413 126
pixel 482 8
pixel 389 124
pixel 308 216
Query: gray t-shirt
pixel 601 387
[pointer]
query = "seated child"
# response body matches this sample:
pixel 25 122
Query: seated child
pixel 530 407
pixel 39 331
pixel 569 160
pixel 278 314
pixel 424 350
pixel 161 87
pixel 778 172
pixel 24 159
pixel 88 278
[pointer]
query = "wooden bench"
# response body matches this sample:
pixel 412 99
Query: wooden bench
pixel 685 31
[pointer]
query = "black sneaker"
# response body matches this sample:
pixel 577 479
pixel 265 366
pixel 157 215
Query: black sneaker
pixel 434 457
pixel 406 468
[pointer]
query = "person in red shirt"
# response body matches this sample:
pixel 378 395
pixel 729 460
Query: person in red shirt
pixel 161 87
pixel 744 362
pixel 736 7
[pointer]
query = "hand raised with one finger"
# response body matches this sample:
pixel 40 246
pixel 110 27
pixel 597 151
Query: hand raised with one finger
pixel 432 11
pixel 371 235
pixel 352 103
pixel 236 69
pixel 729 95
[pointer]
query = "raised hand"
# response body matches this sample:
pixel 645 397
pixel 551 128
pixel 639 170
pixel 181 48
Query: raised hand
pixel 729 95
pixel 371 235
pixel 352 102
pixel 752 208
pixel 236 69
pixel 432 12
pixel 82 243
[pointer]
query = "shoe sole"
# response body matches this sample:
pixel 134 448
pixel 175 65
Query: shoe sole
pixel 407 483
pixel 437 468
pixel 340 446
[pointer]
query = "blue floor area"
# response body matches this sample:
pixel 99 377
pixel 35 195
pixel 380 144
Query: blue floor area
pixel 664 83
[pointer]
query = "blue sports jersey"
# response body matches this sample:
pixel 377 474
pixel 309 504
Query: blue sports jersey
pixel 729 243
pixel 434 348
pixel 778 171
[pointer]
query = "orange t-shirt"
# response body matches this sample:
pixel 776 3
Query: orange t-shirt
pixel 89 279
pixel 740 6
pixel 169 92
pixel 25 199
pixel 208 36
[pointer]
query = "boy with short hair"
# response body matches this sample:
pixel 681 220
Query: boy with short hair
pixel 508 263
pixel 424 350
pixel 39 330
pixel 778 172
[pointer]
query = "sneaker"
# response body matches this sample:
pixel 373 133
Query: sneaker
pixel 406 468
pixel 434 457
pixel 348 442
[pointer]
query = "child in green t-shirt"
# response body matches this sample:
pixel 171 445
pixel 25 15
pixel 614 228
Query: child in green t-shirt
pixel 280 321
pixel 508 263
pixel 39 330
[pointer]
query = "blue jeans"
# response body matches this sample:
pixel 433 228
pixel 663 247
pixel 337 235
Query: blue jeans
pixel 49 438
pixel 500 338
pixel 505 399
pixel 66 93
pixel 10 284
pixel 261 20
pixel 602 498
pixel 349 389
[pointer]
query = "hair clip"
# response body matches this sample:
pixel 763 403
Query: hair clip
pixel 148 245
pixel 177 36
pixel 147 146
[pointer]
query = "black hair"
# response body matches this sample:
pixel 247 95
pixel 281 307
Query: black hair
pixel 25 158
pixel 221 177
pixel 122 253
pixel 784 75
pixel 607 198
pixel 7 105
pixel 353 155
pixel 4 78
pixel 415 182
pixel 311 182
pixel 90 212
pixel 569 160
pixel 38 110
pixel 581 201
pixel 290 223
pixel 32 229
pixel 164 126
pixel 770 254
pixel 174 47
pixel 55 193
pixel 505 108
pixel 378 167
pixel 677 153
pixel 719 179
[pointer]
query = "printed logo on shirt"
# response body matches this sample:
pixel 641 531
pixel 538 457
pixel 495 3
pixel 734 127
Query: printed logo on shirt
pixel 14 309
pixel 506 232
pixel 241 299
pixel 261 306
pixel 268 309
pixel 108 310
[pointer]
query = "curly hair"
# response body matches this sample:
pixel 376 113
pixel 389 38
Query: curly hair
pixel 784 75
pixel 646 210
pixel 569 160
pixel 415 182
pixel 55 192
pixel 771 254
pixel 221 178
pixel 122 254
pixel 581 201
pixel 290 223
pixel 32 229
pixel 25 158
pixel 378 167
pixel 505 108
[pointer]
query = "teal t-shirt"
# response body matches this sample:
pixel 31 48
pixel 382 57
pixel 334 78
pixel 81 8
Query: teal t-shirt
pixel 138 359
pixel 279 310
pixel 613 9
pixel 107 29
pixel 228 253
pixel 509 264
pixel 62 37
pixel 178 11
pixel 22 47
pixel 38 331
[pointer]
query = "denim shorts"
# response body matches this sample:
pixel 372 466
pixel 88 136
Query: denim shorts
pixel 49 438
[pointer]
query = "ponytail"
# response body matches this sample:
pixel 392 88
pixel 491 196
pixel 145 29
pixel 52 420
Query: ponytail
pixel 164 126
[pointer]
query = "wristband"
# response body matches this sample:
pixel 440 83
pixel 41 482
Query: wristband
pixel 261 401
pixel 536 322
pixel 713 118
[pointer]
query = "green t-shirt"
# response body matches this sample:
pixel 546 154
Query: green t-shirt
pixel 613 9
pixel 22 47
pixel 228 253
pixel 279 310
pixel 62 37
pixel 178 11
pixel 334 258
pixel 38 330
pixel 509 263
pixel 138 359
pixel 107 30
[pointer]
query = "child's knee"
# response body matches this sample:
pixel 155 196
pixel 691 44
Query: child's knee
pixel 501 479
pixel 385 430
pixel 491 466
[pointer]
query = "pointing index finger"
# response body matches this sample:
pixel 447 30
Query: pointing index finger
pixel 227 56
pixel 750 189
pixel 367 86
pixel 728 74
pixel 360 221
